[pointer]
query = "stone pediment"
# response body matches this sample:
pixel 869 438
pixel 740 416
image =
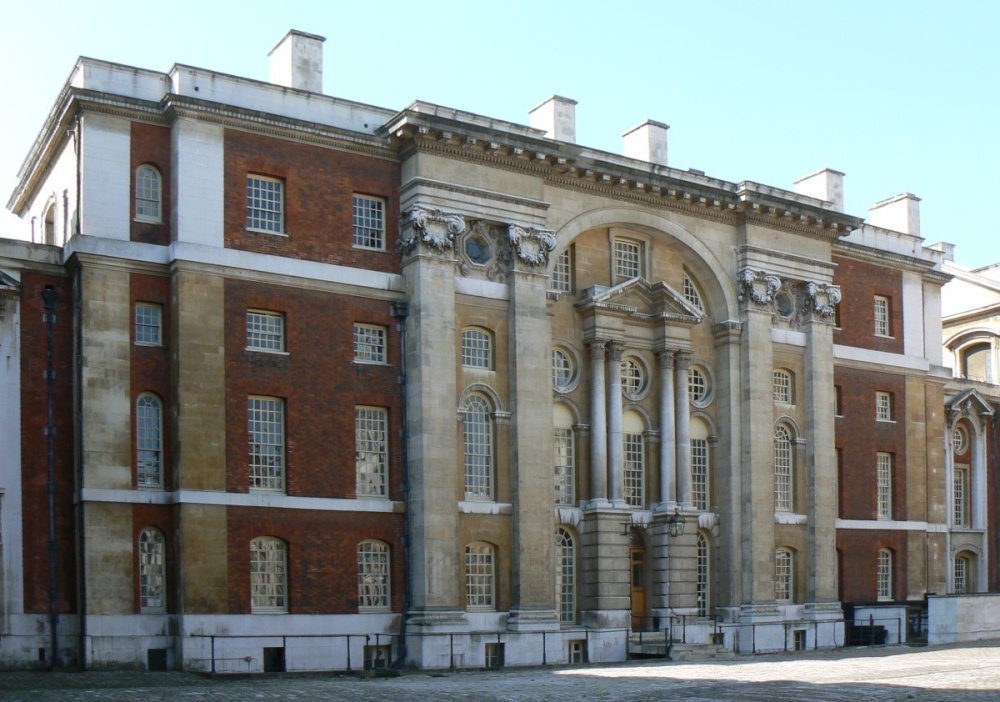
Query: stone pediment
pixel 970 403
pixel 640 299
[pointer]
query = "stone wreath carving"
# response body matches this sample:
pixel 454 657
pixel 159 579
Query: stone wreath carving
pixel 758 286
pixel 824 298
pixel 434 229
pixel 531 246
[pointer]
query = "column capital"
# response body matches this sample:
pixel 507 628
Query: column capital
pixel 598 349
pixel 683 360
pixel 821 300
pixel 615 351
pixel 666 358
pixel 758 287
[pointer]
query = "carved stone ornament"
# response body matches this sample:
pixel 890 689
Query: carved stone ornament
pixel 531 246
pixel 758 286
pixel 433 229
pixel 824 298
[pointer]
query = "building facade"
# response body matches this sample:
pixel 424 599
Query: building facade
pixel 586 394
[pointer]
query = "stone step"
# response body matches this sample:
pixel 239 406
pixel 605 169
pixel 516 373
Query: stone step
pixel 699 652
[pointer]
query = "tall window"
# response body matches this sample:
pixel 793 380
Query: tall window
pixel 961 581
pixel 148 324
pixel 265 330
pixel 782 383
pixel 371 451
pixel 373 576
pixel 148 197
pixel 704 574
pixel 480 579
pixel 565 471
pixel 265 204
pixel 960 497
pixel 699 473
pixel 266 435
pixel 884 574
pixel 634 473
pixel 152 571
pixel 884 479
pixel 562 272
pixel 782 470
pixel 882 308
pixel 369 222
pixel 883 406
pixel 477 348
pixel 268 575
pixel 565 576
pixel 783 575
pixel 369 343
pixel 478 444
pixel 149 441
pixel 628 259
pixel 691 293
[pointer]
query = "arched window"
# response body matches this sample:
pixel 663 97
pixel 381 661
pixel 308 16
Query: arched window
pixel 700 482
pixel 373 576
pixel 691 293
pixel 784 389
pixel 704 575
pixel 976 362
pixel 784 575
pixel 634 452
pixel 148 194
pixel 480 577
pixel 884 585
pixel 268 575
pixel 478 444
pixel 49 225
pixel 565 576
pixel 565 456
pixel 477 348
pixel 149 441
pixel 152 571
pixel 782 469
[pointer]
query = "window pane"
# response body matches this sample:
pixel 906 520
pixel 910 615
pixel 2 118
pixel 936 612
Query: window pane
pixel 566 576
pixel 266 432
pixel 152 570
pixel 149 441
pixel 782 575
pixel 633 379
pixel 265 331
pixel 627 259
pixel 562 369
pixel 369 343
pixel 370 451
pixel 782 387
pixel 268 575
pixel 373 576
pixel 634 472
pixel 699 473
pixel 147 194
pixel 478 445
pixel 265 202
pixel 691 293
pixel 148 324
pixel 884 470
pixel 477 349
pixel 479 578
pixel 369 222
pixel 564 466
pixel 562 273
pixel 782 470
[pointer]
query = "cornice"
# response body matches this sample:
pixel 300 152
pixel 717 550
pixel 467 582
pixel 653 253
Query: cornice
pixel 471 192
pixel 881 257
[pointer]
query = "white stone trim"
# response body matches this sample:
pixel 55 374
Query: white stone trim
pixel 240 499
pixel 891 524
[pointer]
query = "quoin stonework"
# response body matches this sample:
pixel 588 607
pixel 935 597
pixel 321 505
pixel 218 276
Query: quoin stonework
pixel 296 383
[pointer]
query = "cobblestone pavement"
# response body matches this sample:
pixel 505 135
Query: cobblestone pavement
pixel 967 673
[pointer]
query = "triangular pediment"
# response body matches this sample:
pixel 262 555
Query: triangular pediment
pixel 971 402
pixel 638 298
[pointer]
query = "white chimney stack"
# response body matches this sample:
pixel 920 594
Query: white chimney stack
pixel 557 116
pixel 297 61
pixel 647 142
pixel 826 184
pixel 900 214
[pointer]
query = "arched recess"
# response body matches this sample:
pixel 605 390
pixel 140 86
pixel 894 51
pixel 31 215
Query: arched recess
pixel 713 277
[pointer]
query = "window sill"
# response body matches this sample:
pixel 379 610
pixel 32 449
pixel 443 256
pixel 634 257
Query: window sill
pixel 885 421
pixel 268 611
pixel 266 231
pixel 147 220
pixel 368 248
pixel 370 363
pixel 148 345
pixel 269 351
pixel 883 336
pixel 484 506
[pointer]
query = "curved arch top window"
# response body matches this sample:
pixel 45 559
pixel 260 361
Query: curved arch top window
pixel 783 387
pixel 373 576
pixel 562 369
pixel 975 360
pixel 782 470
pixel 480 579
pixel 149 441
pixel 268 575
pixel 691 293
pixel 961 583
pixel 698 387
pixel 566 576
pixel 477 349
pixel 478 445
pixel 701 588
pixel 960 438
pixel 148 198
pixel 884 574
pixel 564 466
pixel 152 571
pixel 633 378
pixel 783 575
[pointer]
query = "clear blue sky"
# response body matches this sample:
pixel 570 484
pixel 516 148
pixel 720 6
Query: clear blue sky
pixel 900 96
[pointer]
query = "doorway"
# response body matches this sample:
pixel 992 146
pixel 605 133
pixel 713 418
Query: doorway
pixel 638 586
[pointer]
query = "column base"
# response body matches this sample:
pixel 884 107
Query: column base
pixel 532 620
pixel 437 620
pixel 597 503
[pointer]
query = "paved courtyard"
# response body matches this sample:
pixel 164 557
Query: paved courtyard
pixel 940 674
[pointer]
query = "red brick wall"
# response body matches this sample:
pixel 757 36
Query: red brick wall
pixel 858 555
pixel 150 365
pixel 318 185
pixel 319 382
pixel 34 444
pixel 859 437
pixel 151 144
pixel 859 282
pixel 322 556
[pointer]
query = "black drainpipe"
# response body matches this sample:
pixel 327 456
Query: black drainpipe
pixel 50 298
pixel 401 310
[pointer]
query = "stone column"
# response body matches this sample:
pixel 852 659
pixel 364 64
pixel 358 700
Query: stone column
pixel 616 457
pixel 683 420
pixel 598 426
pixel 668 443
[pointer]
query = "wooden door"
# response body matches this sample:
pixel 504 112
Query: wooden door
pixel 638 590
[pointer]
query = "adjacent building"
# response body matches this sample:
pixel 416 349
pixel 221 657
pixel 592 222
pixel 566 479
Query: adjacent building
pixel 336 385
